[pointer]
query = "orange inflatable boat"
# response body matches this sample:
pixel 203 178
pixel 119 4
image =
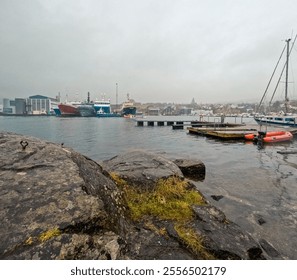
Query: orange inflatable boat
pixel 271 136
pixel 285 136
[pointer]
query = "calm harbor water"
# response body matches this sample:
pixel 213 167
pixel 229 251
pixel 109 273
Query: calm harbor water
pixel 257 185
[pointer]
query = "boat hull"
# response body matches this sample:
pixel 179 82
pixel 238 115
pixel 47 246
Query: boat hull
pixel 102 106
pixel 270 136
pixel 287 136
pixel 86 110
pixel 107 115
pixel 127 111
pixel 252 136
pixel 68 110
pixel 278 121
pixel 57 111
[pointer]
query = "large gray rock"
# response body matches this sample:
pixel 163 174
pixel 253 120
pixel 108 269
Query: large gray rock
pixel 44 202
pixel 142 168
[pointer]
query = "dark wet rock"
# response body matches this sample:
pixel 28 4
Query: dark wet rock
pixel 287 152
pixel 261 221
pixel 147 243
pixel 217 197
pixel 58 204
pixel 142 168
pixel 269 249
pixel 192 169
pixel 223 238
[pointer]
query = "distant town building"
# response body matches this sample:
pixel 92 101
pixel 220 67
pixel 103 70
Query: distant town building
pixel 153 111
pixel 169 110
pixel 185 111
pixel 202 112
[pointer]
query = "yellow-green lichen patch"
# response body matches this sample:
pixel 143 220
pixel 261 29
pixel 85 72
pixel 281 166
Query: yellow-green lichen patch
pixel 49 234
pixel 160 231
pixel 119 181
pixel 193 241
pixel 29 241
pixel 171 200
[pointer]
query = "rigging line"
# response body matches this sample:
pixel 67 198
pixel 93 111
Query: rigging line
pixel 265 92
pixel 281 73
pixel 293 79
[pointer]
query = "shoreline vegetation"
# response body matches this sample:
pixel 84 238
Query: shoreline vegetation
pixel 59 204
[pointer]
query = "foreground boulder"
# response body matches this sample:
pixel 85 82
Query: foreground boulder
pixel 46 212
pixel 142 168
pixel 58 204
pixel 192 169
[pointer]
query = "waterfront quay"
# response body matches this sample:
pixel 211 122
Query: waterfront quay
pixel 151 122
pixel 216 129
pixel 179 122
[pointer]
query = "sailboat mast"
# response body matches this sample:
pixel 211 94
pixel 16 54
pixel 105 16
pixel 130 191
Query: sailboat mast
pixel 287 71
pixel 117 97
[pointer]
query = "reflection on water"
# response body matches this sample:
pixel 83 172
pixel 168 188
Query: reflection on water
pixel 256 184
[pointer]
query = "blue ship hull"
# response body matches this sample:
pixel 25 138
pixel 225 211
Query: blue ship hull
pixel 284 121
pixel 57 111
pixel 129 111
pixel 107 115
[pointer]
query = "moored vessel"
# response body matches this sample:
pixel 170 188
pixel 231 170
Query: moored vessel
pixel 279 120
pixel 86 110
pixel 102 106
pixel 270 136
pixel 285 136
pixel 69 109
pixel 128 108
pixel 56 110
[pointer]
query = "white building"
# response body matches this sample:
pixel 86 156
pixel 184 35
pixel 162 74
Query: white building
pixel 40 105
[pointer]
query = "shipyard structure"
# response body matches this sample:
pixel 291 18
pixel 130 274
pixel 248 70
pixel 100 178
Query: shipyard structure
pixel 33 105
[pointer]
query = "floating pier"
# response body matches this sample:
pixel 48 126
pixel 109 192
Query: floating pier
pixel 180 124
pixel 232 133
pixel 149 122
pixel 227 133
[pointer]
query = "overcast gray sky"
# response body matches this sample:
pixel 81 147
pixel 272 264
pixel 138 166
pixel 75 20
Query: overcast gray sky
pixel 156 50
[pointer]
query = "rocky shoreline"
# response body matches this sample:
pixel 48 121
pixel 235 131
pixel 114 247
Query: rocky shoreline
pixel 59 204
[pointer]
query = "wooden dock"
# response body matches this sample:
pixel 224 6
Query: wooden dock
pixel 232 133
pixel 223 133
pixel 181 124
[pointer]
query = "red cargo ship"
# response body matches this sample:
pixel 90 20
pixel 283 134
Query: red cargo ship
pixel 69 109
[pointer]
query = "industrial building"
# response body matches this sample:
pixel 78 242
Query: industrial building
pixel 34 105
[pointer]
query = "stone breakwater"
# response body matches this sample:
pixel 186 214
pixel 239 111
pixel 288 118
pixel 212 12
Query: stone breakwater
pixel 58 204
